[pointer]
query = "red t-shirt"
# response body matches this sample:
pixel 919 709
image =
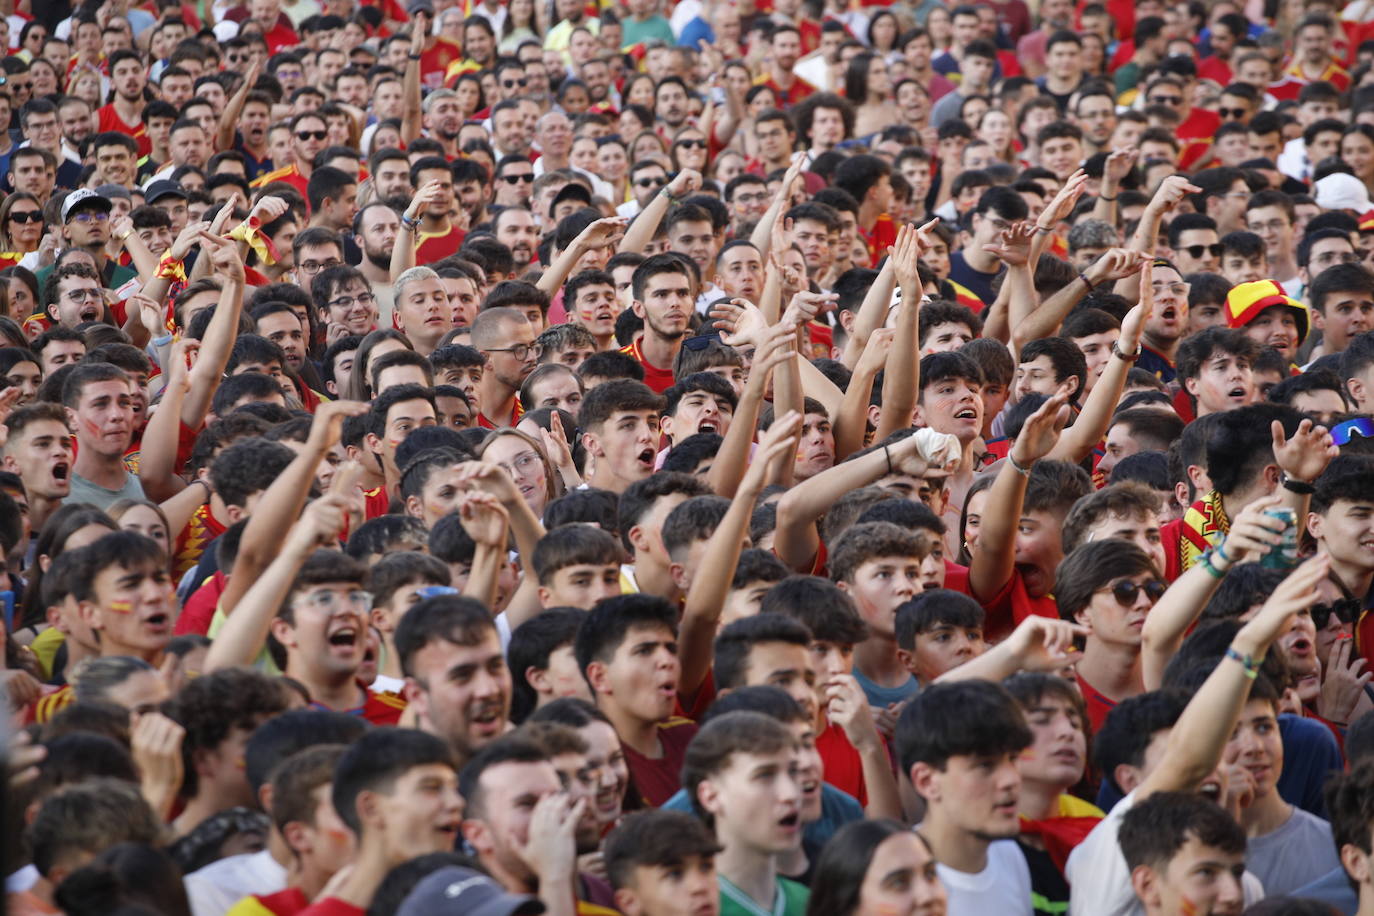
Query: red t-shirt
pixel 291 174
pixel 332 906
pixel 660 380
pixel 659 779
pixel 199 611
pixel 799 90
pixel 883 234
pixel 377 709
pixel 843 768
pixel 281 36
pixel 376 503
pixel 1011 605
pixel 111 121
pixel 283 903
pixel 1098 705
pixel 437 247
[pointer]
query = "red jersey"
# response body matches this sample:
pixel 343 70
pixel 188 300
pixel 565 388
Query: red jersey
pixel 658 779
pixel 111 121
pixel 438 246
pixel 435 61
pixel 660 380
pixel 199 611
pixel 49 704
pixel 843 768
pixel 790 96
pixel 281 36
pixel 1200 124
pixel 283 903
pixel 291 174
pixel 486 422
pixel 1011 605
pixel 199 531
pixel 883 234
pixel 377 708
pixel 1097 704
pixel 376 503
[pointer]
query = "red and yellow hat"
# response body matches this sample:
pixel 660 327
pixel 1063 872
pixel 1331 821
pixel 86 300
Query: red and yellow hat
pixel 1246 301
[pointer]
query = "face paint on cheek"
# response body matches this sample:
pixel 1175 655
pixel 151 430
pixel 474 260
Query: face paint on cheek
pixel 121 607
pixel 1188 907
pixel 1028 754
pixel 92 427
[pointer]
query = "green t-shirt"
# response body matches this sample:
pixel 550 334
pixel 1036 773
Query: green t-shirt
pixel 789 900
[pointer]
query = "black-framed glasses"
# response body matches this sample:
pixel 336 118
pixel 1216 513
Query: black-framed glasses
pixel 1197 251
pixel 1347 610
pixel 522 351
pixel 311 134
pixel 527 178
pixel 512 83
pixel 1232 114
pixel 347 302
pixel 27 216
pixel 1125 591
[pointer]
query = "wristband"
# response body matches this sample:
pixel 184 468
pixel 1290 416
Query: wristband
pixel 1205 561
pixel 1128 357
pixel 413 56
pixel 1023 471
pixel 1042 229
pixel 409 224
pixel 1106 198
pixel 1219 551
pixel 1300 487
pixel 1250 665
pixel 888 455
pixel 1086 282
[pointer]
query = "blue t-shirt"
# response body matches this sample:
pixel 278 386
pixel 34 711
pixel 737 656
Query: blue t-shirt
pixel 837 809
pixel 883 697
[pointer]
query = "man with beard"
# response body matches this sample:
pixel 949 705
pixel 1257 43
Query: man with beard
pixel 124 113
pixel 506 340
pixel 247 117
pixel 86 225
pixel 436 235
pixel 376 227
pixel 452 633
pixel 308 133
pixel 663 298
pixel 390 171
pixel 1094 111
pixel 509 135
pixel 443 119
pixel 670 102
pixel 514 181
pixel 470 184
pixel 788 88
pixel 516 229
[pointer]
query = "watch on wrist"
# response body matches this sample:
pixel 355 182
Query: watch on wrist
pixel 1293 485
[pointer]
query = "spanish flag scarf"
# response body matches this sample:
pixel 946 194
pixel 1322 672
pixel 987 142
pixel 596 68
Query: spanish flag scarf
pixel 1204 524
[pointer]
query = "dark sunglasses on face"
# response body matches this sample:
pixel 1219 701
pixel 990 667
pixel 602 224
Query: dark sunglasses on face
pixel 516 179
pixel 651 182
pixel 32 216
pixel 1346 611
pixel 1233 114
pixel 692 144
pixel 311 134
pixel 1166 100
pixel 512 83
pixel 1125 591
pixel 1343 433
pixel 1197 251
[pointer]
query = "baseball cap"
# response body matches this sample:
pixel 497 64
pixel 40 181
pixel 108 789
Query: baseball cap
pixel 462 890
pixel 1340 191
pixel 573 190
pixel 1246 301
pixel 84 198
pixel 163 188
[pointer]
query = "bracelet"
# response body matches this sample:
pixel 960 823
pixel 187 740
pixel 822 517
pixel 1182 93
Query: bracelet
pixel 1023 471
pixel 1300 487
pixel 1205 561
pixel 1106 198
pixel 413 56
pixel 1086 282
pixel 888 455
pixel 209 491
pixel 1249 664
pixel 1042 229
pixel 1219 550
pixel 409 224
pixel 1127 357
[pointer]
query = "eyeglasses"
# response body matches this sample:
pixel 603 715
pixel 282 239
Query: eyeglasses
pixel 314 267
pixel 521 352
pixel 1232 114
pixel 523 463
pixel 435 591
pixel 311 134
pixel 650 182
pixel 1347 610
pixel 27 216
pixel 692 144
pixel 89 215
pixel 1197 251
pixel 331 602
pixel 1337 257
pixel 511 84
pixel 1179 290
pixel 1174 100
pixel 1343 433
pixel 527 178
pixel 347 302
pixel 85 294
pixel 1125 591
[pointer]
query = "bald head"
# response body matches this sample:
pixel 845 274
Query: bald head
pixel 492 327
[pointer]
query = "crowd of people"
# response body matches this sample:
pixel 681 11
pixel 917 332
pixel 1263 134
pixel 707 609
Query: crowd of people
pixel 729 457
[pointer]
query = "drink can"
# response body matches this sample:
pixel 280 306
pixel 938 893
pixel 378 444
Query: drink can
pixel 1284 554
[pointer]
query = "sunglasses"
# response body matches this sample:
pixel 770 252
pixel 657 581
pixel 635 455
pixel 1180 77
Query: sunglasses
pixel 1197 251
pixel 651 182
pixel 1347 610
pixel 516 179
pixel 511 84
pixel 1345 432
pixel 1232 114
pixel 701 341
pixel 31 216
pixel 1174 100
pixel 311 134
pixel 692 144
pixel 1125 591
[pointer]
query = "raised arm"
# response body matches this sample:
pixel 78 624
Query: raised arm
pixel 1172 190
pixel 1301 458
pixel 1037 644
pixel 762 234
pixel 596 236
pixel 524 525
pixel 157 462
pixel 994 559
pixel 776 346
pixel 222 330
pixel 1044 321
pixel 872 314
pixel 412 118
pixel 641 232
pixel 233 109
pixel 1196 742
pixel 902 379
pixel 485 520
pixel 706 596
pixel 1058 210
pixel 851 420
pixel 408 239
pixel 1118 165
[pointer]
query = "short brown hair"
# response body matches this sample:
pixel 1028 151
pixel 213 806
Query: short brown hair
pixel 1128 498
pixel 864 542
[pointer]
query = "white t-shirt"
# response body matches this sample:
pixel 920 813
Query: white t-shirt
pixel 215 888
pixel 1003 887
pixel 1099 880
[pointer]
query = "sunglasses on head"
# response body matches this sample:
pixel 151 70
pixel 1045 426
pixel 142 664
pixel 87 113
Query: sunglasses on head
pixel 311 134
pixel 1343 433
pixel 701 341
pixel 1125 591
pixel 516 179
pixel 1347 610
pixel 1197 251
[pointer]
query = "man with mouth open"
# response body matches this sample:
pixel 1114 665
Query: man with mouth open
pixel 124 594
pixel 39 449
pixel 1215 367
pixel 744 774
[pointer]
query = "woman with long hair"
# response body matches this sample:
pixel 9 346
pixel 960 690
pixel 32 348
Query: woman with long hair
pixel 523 458
pixel 689 149
pixel 148 519
pixel 20 368
pixel 869 89
pixel 883 30
pixel 376 343
pixel 940 25
pixel 996 128
pixel 613 166
pixel 21 224
pixel 876 868
pixel 648 145
pixel 471 98
pixel 521 24
pixel 71 526
pixel 1357 151
pixel 46 79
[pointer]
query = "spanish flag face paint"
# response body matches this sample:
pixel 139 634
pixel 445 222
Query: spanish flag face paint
pixel 120 607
